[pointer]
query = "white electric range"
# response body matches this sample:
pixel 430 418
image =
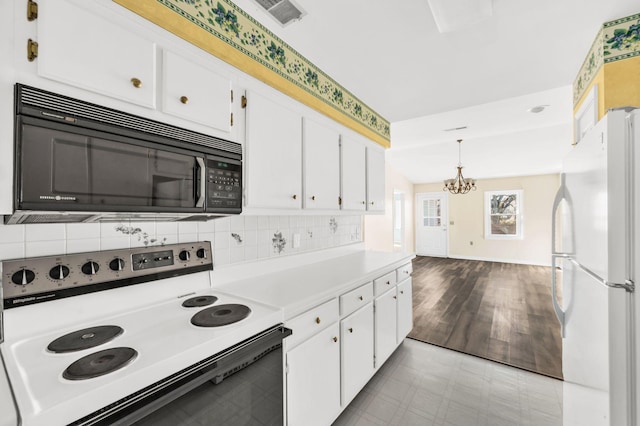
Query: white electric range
pixel 104 337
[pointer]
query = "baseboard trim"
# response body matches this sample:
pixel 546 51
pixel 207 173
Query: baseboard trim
pixel 490 259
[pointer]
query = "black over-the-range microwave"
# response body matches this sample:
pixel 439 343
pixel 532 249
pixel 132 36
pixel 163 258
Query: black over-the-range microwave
pixel 80 162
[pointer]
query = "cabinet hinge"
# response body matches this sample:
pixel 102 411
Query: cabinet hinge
pixel 243 102
pixel 286 368
pixel 231 119
pixel 32 10
pixel 232 96
pixel 339 201
pixel 32 50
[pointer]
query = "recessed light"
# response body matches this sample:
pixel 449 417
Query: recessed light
pixel 537 109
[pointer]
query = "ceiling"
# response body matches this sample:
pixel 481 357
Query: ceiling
pixel 483 75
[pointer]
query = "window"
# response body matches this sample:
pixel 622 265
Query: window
pixel 503 215
pixel 431 212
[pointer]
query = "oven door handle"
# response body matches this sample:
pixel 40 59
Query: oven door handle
pixel 201 184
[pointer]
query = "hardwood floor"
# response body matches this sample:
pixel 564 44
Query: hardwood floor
pixel 497 311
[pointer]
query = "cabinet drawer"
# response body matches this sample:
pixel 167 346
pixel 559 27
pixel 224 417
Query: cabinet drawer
pixel 384 283
pixel 311 322
pixel 355 299
pixel 404 272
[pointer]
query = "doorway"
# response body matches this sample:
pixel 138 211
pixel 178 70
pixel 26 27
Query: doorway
pixel 398 221
pixel 432 231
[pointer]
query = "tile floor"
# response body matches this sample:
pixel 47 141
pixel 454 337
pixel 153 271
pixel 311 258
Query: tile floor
pixel 426 385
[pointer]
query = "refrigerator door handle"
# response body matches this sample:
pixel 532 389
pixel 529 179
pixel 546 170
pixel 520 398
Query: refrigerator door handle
pixel 560 195
pixel 554 298
pixel 628 285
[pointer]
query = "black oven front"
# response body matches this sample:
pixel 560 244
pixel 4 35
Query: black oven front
pixel 76 156
pixel 240 386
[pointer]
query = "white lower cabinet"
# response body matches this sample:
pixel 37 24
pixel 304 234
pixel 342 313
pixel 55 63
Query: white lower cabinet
pixel 405 310
pixel 385 326
pixel 313 380
pixel 357 351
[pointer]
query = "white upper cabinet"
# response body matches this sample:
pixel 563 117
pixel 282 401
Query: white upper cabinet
pixel 195 93
pixel 353 177
pixel 321 166
pixel 85 50
pixel 273 155
pixel 375 180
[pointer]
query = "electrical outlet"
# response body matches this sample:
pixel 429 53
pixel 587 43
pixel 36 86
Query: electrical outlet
pixel 296 240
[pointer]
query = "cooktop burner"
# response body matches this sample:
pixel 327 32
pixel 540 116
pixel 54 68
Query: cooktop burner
pixel 99 363
pixel 199 301
pixel 85 338
pixel 216 316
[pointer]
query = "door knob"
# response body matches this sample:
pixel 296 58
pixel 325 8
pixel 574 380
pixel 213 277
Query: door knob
pixel 137 83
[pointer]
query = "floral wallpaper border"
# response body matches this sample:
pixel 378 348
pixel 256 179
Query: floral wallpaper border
pixel 617 40
pixel 226 22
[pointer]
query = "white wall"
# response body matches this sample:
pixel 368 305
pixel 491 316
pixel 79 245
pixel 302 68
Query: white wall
pixel 378 229
pixel 467 213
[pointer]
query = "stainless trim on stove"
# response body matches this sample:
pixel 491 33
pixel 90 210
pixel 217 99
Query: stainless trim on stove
pixel 94 271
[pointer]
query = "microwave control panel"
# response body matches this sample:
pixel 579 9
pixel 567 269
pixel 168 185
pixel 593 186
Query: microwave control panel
pixel 224 183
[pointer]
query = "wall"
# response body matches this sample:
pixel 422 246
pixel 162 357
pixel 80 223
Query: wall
pixel 378 229
pixel 467 213
pixel 234 239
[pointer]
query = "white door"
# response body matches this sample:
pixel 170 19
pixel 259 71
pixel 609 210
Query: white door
pixel 431 224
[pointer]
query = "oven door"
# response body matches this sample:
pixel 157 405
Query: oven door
pixel 63 167
pixel 242 385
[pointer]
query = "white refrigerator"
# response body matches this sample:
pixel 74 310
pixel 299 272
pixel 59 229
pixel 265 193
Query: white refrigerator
pixel 595 235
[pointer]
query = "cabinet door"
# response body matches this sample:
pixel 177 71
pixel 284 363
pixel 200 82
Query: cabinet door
pixel 195 93
pixel 352 173
pixel 357 352
pixel 405 310
pixel 313 380
pixel 385 326
pixel 273 154
pixel 375 180
pixel 321 167
pixel 85 50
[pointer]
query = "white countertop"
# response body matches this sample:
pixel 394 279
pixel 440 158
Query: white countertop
pixel 299 288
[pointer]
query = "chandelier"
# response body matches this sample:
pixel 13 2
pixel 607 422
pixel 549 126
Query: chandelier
pixel 459 185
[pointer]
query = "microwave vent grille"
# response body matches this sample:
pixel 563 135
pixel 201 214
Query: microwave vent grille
pixel 54 218
pixel 62 104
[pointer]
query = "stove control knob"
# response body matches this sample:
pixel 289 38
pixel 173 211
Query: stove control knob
pixel 116 264
pixel 90 268
pixel 59 272
pixel 201 253
pixel 23 277
pixel 184 255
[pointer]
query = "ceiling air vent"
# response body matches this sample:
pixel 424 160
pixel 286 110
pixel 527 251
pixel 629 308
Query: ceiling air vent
pixel 284 11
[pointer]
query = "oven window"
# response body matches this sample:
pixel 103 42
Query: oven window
pixel 102 172
pixel 252 396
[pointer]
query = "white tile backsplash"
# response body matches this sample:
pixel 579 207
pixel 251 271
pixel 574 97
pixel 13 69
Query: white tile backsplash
pixel 81 231
pixel 12 250
pixel 256 232
pixel 80 246
pixel 45 232
pixel 12 234
pixel 45 248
